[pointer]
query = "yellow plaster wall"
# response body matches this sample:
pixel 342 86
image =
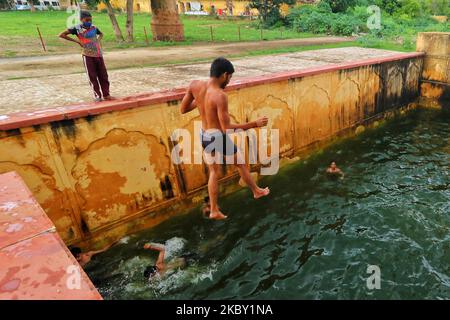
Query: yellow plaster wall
pixel 436 70
pixel 104 176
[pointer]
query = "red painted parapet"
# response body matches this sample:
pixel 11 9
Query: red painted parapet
pixel 27 118
pixel 34 261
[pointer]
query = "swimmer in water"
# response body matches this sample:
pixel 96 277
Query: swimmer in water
pixel 161 267
pixel 333 170
pixel 84 258
pixel 206 208
pixel 212 103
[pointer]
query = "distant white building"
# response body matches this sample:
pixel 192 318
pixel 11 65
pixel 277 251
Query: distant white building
pixel 43 5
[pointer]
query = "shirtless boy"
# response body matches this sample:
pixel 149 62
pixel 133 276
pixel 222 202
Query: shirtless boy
pixel 84 258
pixel 212 103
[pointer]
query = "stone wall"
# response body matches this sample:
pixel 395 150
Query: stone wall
pixel 435 82
pixel 101 171
pixel 34 262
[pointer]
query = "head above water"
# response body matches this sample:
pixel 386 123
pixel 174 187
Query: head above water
pixel 206 209
pixel 222 70
pixel 76 252
pixel 86 19
pixel 150 271
pixel 333 165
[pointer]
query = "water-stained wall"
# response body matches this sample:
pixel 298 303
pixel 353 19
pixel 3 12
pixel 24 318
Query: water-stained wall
pixel 435 82
pixel 102 171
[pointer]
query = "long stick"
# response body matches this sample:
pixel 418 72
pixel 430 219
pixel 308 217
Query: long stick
pixel 42 40
pixel 239 32
pixel 261 34
pixel 211 31
pixel 146 37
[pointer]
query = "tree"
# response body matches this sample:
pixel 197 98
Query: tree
pixel 6 4
pixel 438 7
pixel 229 5
pixel 340 5
pixel 112 16
pixel 390 6
pixel 165 23
pixel 269 10
pixel 410 8
pixel 129 24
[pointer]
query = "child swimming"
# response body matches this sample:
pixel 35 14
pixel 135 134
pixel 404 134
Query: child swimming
pixel 161 267
pixel 334 171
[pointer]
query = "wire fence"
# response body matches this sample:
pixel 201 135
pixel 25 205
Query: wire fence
pixel 209 33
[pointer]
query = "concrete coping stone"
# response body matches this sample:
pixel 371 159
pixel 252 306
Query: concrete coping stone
pixel 31 118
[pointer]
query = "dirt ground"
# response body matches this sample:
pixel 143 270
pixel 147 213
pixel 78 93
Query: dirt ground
pixel 64 89
pixel 47 65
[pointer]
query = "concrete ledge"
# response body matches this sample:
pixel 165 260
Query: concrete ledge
pixel 34 261
pixel 26 119
pixel 436 68
pixel 105 169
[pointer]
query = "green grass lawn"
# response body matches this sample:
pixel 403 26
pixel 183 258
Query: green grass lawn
pixel 19 36
pixel 19 28
pixel 386 46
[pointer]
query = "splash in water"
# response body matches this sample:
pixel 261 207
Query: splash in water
pixel 314 238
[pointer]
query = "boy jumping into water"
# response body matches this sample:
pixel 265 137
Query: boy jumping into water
pixel 89 37
pixel 212 103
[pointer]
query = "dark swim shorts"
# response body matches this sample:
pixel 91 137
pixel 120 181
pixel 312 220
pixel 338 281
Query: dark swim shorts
pixel 225 145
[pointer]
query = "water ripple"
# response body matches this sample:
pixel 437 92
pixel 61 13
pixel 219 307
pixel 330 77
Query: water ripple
pixel 314 238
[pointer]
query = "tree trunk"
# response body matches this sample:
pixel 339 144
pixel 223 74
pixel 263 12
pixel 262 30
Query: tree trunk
pixel 229 5
pixel 265 10
pixel 166 24
pixel 112 16
pixel 129 24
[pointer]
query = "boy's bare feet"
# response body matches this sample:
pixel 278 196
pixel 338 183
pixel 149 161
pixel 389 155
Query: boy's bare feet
pixel 98 100
pixel 261 192
pixel 109 98
pixel 217 215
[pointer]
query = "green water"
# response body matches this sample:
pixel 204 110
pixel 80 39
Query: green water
pixel 313 238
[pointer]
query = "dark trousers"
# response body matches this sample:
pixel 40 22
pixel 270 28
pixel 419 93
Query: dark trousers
pixel 98 76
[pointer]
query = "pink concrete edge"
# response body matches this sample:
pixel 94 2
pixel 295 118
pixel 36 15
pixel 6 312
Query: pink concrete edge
pixel 41 222
pixel 93 290
pixel 30 118
pixel 48 228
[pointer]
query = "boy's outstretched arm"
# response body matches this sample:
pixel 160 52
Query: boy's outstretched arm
pixel 65 35
pixel 92 253
pixel 160 261
pixel 225 120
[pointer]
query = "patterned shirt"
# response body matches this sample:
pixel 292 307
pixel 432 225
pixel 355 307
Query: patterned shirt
pixel 88 38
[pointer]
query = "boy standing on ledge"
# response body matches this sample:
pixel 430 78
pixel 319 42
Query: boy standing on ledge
pixel 89 37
